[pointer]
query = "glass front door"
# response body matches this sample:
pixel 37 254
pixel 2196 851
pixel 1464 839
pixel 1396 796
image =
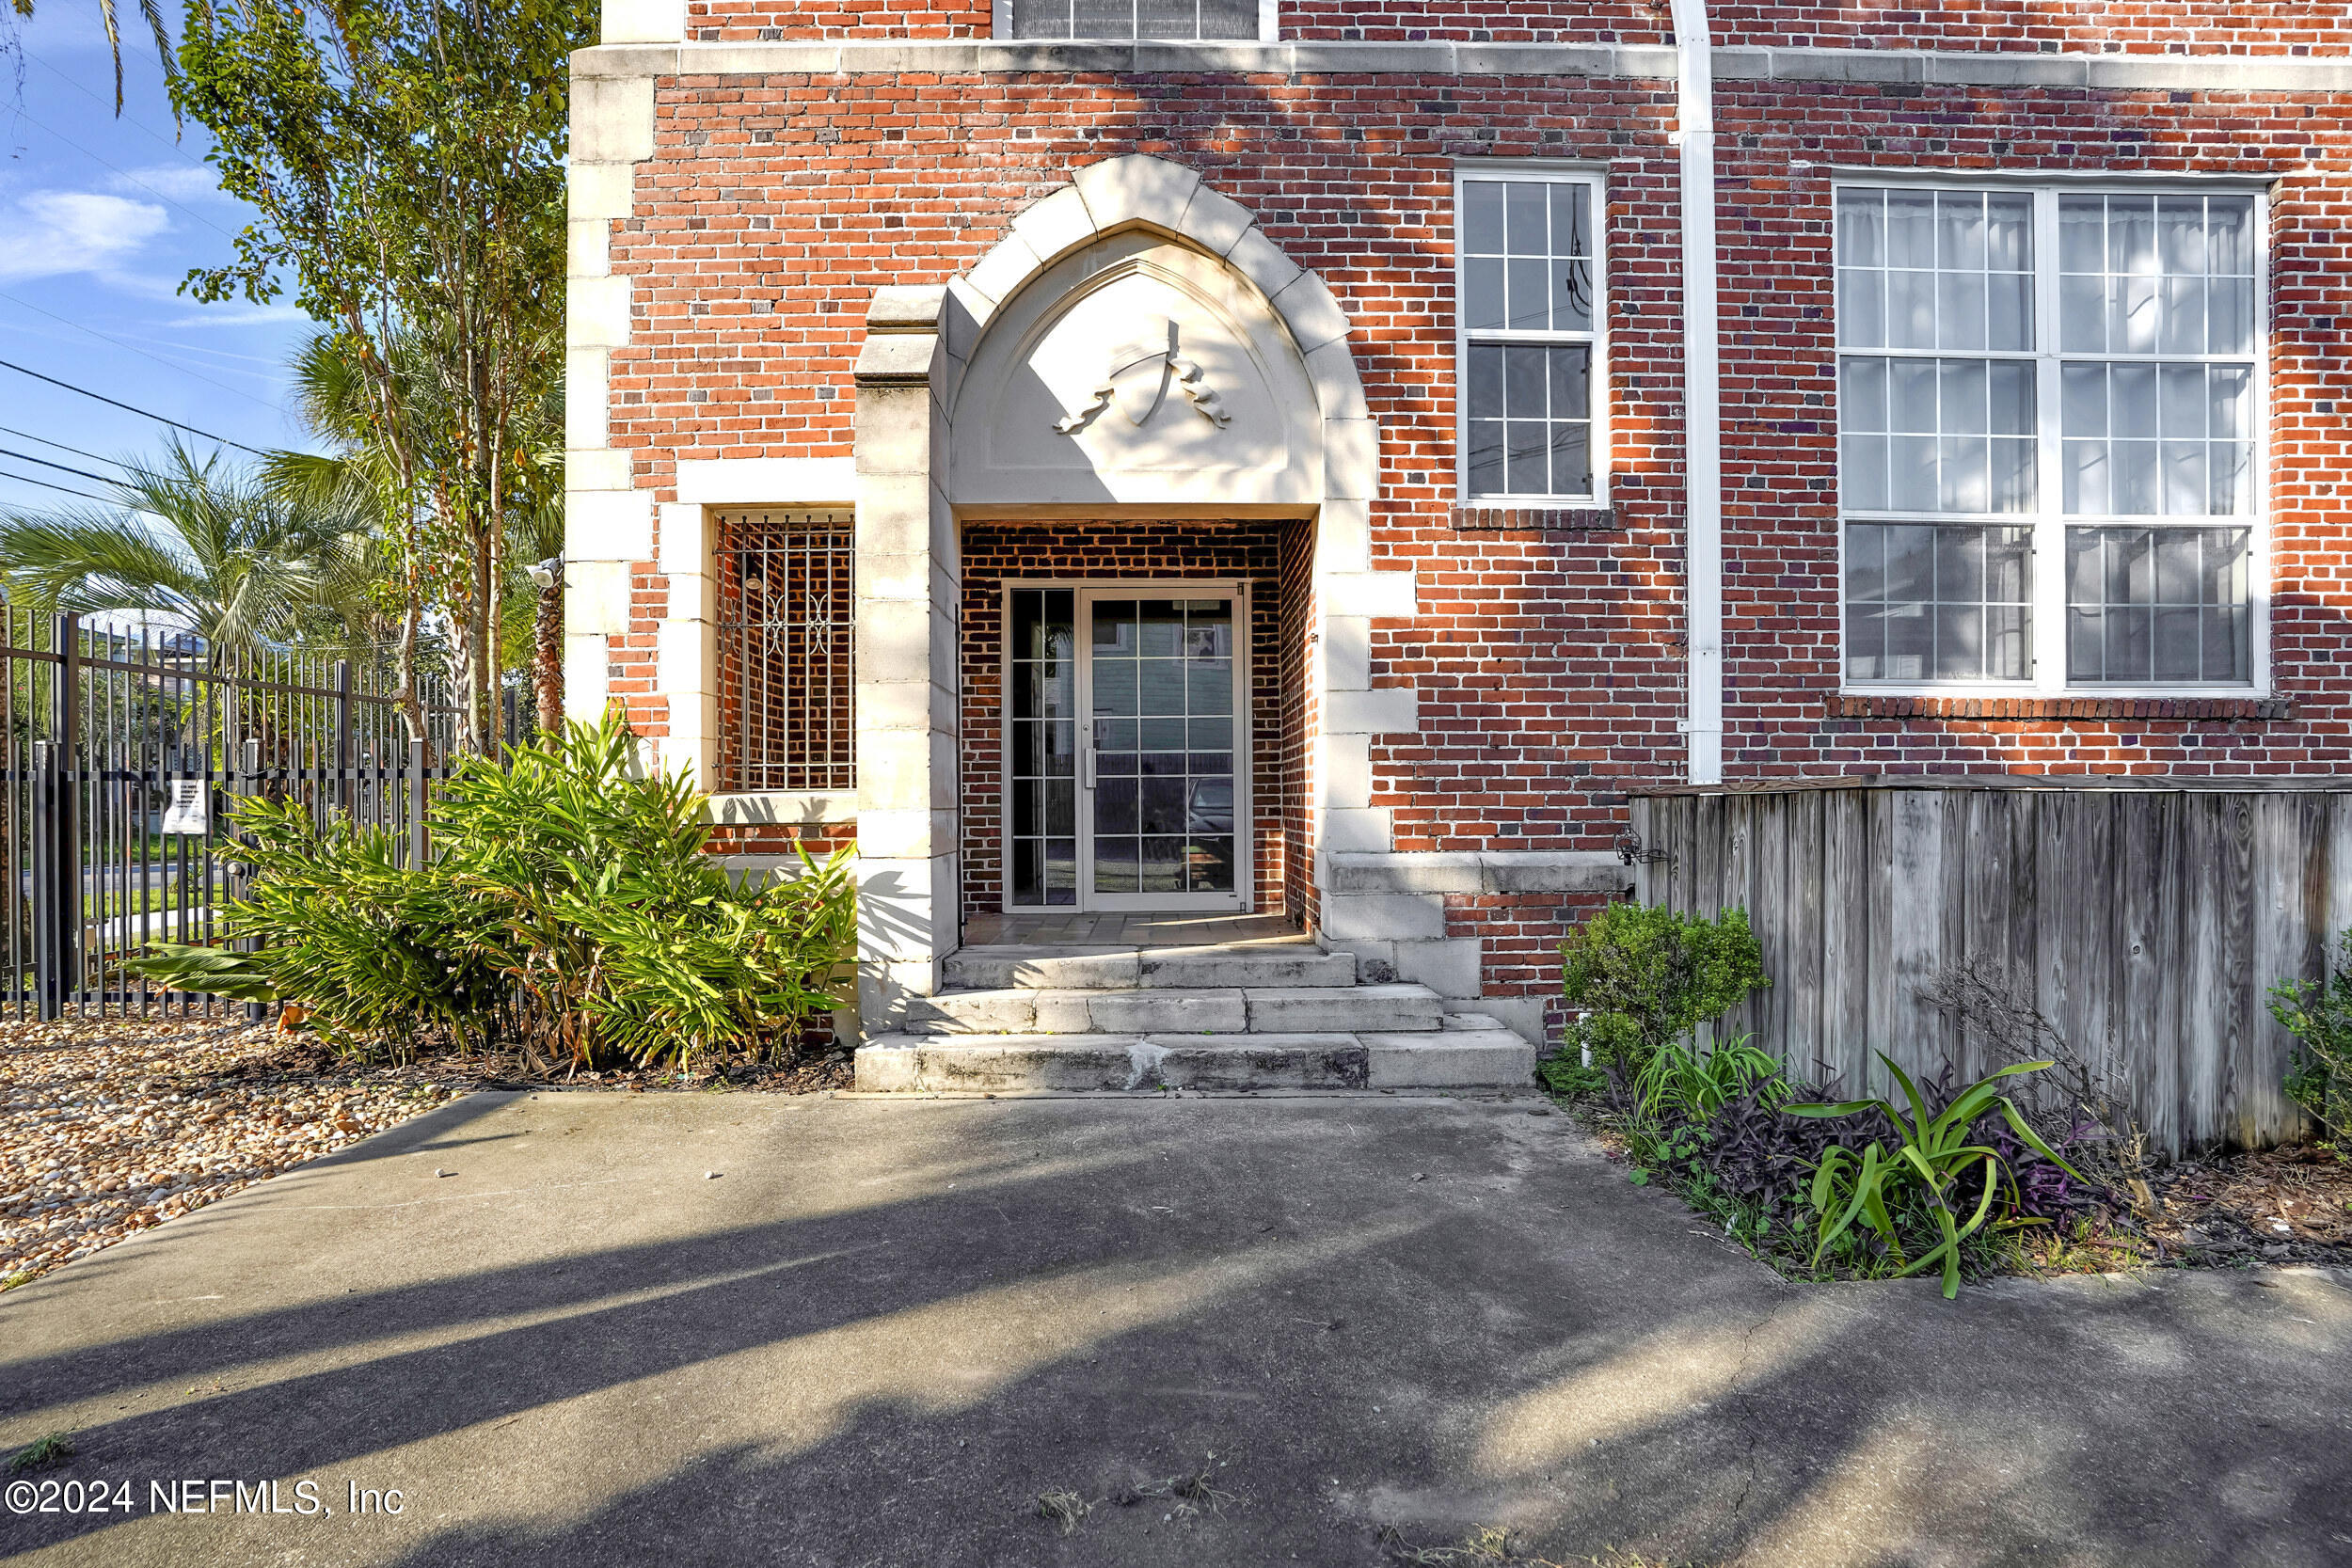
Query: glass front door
pixel 1127 747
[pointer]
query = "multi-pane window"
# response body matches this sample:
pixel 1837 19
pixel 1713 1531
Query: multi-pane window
pixel 1530 318
pixel 2047 403
pixel 785 632
pixel 1129 19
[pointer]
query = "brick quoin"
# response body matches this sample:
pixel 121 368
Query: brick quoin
pixel 1549 660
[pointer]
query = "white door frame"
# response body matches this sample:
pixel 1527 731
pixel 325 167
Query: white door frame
pixel 1084 592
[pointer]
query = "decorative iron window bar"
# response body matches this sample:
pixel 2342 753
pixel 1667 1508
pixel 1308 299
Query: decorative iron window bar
pixel 785 631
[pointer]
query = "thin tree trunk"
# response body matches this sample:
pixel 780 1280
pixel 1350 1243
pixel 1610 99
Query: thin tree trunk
pixel 547 656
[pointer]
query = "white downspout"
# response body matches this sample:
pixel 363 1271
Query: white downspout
pixel 1702 392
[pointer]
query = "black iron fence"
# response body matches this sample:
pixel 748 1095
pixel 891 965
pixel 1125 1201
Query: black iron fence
pixel 124 749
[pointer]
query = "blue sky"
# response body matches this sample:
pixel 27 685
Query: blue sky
pixel 100 219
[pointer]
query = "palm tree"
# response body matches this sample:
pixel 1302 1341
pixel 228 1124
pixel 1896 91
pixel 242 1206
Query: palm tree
pixel 392 458
pixel 242 565
pixel 152 13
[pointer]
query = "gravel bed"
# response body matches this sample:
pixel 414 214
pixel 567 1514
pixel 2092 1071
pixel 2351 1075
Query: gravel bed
pixel 109 1126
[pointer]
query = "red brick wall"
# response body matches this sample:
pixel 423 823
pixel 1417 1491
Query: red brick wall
pixel 779 839
pixel 2139 26
pixel 1780 585
pixel 1549 664
pixel 2134 26
pixel 1493 20
pixel 995 552
pixel 775 207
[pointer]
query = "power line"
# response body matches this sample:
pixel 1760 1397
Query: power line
pixel 132 178
pixel 171 145
pixel 142 413
pixel 134 348
pixel 61 468
pixel 93 456
pixel 27 479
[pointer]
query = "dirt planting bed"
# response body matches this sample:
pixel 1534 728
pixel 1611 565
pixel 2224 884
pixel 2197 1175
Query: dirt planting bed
pixel 109 1126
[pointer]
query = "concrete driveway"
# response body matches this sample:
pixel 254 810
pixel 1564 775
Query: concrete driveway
pixel 1326 1331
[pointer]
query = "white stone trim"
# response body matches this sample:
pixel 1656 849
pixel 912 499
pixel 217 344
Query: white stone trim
pixel 608 522
pixel 1479 871
pixel 2139 72
pixel 775 481
pixel 799 808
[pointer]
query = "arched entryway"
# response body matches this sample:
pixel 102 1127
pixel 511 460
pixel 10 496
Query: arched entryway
pixel 1134 366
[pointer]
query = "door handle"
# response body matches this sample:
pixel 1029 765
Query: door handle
pixel 1085 765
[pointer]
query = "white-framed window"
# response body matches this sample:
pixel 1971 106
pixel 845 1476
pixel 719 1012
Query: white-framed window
pixel 1530 336
pixel 1166 21
pixel 2050 416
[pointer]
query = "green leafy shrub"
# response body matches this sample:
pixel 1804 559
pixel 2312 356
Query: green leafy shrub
pixel 568 910
pixel 1928 1174
pixel 2319 1015
pixel 1852 1189
pixel 1643 978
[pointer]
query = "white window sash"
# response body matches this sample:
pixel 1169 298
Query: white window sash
pixel 2049 522
pixel 1597 378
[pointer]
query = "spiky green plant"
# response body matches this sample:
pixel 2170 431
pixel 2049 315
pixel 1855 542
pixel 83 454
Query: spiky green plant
pixel 1928 1169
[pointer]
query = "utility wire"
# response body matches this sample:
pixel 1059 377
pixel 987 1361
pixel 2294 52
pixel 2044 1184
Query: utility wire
pixel 132 178
pixel 61 468
pixel 27 479
pixel 93 456
pixel 168 364
pixel 7 364
pixel 169 144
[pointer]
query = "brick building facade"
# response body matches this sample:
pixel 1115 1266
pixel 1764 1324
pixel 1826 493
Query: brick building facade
pixel 2011 441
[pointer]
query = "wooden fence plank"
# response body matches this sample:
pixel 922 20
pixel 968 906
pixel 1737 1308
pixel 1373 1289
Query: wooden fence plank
pixel 2204 1015
pixel 1914 892
pixel 1845 941
pixel 2146 924
pixel 1801 1015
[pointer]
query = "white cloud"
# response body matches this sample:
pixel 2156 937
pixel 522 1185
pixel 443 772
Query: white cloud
pixel 172 181
pixel 241 315
pixel 52 234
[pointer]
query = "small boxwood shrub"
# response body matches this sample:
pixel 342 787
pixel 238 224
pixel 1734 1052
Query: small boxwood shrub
pixel 1641 978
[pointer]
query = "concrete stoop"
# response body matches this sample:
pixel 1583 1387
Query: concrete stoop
pixel 1278 1015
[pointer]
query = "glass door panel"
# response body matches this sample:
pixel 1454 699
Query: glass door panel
pixel 1042 771
pixel 1162 708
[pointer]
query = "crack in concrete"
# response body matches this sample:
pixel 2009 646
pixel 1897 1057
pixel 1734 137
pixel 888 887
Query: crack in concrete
pixel 1746 1403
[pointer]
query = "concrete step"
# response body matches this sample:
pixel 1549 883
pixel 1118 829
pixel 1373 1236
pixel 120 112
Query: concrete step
pixel 1259 1011
pixel 1298 963
pixel 1147 1063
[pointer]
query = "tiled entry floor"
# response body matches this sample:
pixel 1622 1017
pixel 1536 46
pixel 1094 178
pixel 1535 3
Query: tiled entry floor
pixel 1127 930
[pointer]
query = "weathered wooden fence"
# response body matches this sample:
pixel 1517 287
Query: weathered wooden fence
pixel 2145 920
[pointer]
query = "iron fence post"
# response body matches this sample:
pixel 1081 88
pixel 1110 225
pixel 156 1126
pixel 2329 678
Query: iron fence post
pixel 416 805
pixel 346 797
pixel 57 886
pixel 48 881
pixel 247 783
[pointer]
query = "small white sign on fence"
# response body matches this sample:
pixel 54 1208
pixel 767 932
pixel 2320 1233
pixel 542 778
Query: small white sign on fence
pixel 190 809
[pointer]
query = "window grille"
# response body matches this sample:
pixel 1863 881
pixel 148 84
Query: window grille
pixel 785 631
pixel 1134 19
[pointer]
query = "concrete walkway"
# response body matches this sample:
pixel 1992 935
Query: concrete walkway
pixel 1375 1325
